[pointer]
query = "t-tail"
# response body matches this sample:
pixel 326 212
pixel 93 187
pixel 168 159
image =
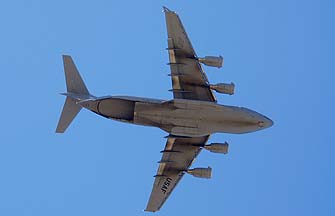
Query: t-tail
pixel 76 91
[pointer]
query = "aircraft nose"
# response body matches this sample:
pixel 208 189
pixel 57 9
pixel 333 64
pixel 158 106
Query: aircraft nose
pixel 265 122
pixel 260 120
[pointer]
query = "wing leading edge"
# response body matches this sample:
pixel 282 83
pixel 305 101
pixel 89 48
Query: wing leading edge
pixel 178 155
pixel 188 82
pixel 188 78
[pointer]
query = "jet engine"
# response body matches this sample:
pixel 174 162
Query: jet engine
pixel 212 61
pixel 223 88
pixel 201 172
pixel 217 147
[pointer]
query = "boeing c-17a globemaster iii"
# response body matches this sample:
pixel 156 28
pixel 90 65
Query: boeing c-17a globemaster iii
pixel 189 118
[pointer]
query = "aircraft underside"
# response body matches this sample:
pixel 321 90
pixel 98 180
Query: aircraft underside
pixel 190 118
pixel 179 117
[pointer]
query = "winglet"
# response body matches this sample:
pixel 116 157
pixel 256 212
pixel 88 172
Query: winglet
pixel 167 10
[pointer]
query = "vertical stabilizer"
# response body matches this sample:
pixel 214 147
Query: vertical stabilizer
pixel 76 91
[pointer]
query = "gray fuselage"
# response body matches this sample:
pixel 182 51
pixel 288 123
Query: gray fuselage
pixel 179 117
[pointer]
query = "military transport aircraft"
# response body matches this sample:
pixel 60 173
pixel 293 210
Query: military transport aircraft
pixel 189 119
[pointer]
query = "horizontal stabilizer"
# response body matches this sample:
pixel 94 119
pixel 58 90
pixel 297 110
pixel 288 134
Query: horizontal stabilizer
pixel 70 110
pixel 74 82
pixel 76 92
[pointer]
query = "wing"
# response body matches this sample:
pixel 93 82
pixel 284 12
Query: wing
pixel 178 155
pixel 188 79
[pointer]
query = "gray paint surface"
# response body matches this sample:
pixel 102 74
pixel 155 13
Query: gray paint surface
pixel 190 118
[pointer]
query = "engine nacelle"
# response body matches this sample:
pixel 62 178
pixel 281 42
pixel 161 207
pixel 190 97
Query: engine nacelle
pixel 223 88
pixel 217 147
pixel 201 172
pixel 212 61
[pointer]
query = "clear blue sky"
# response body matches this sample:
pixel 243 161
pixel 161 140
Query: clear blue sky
pixel 280 55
